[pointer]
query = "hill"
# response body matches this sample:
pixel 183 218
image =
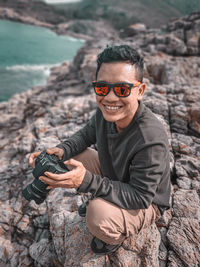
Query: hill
pixel 154 13
pixel 151 12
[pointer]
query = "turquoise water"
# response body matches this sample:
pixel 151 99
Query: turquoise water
pixel 27 53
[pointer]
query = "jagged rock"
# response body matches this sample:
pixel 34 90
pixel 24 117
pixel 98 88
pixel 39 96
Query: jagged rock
pixel 174 260
pixel 87 29
pixel 180 37
pixel 31 12
pixel 184 227
pixel 194 119
pixel 134 29
pixel 187 145
pixel 175 46
pixel 10 14
pixel 12 254
pixel 147 244
pixel 43 253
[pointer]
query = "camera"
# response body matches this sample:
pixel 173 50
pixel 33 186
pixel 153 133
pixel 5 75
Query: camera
pixel 37 189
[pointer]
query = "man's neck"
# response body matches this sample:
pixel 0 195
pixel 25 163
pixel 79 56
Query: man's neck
pixel 121 125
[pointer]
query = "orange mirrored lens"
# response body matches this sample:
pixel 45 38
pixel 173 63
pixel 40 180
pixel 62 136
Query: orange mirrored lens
pixel 101 89
pixel 122 89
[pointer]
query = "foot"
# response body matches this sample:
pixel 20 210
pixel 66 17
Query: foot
pixel 101 248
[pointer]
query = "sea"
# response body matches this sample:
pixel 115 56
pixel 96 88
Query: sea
pixel 27 53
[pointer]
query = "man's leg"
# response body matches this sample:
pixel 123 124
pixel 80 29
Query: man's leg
pixel 90 160
pixel 112 224
pixel 107 221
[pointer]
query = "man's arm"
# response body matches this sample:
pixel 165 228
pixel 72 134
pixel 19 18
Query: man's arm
pixel 146 171
pixel 79 141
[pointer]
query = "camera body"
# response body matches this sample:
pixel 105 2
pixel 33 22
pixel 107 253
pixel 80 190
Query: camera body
pixel 37 189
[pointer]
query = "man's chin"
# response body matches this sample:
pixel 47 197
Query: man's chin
pixel 111 117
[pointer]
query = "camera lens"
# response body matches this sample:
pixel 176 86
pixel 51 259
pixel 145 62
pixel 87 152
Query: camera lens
pixel 36 191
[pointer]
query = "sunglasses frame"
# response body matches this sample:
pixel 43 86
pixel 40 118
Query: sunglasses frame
pixel 112 85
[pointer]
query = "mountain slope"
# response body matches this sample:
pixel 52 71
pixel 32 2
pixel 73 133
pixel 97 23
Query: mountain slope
pixel 151 12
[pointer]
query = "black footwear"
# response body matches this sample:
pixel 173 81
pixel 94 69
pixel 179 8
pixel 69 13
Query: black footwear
pixel 101 248
pixel 82 209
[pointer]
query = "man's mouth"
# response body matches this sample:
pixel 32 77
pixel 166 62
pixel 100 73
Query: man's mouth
pixel 112 107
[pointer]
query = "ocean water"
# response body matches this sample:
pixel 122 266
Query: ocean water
pixel 27 53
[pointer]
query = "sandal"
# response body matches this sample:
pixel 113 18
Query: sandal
pixel 101 248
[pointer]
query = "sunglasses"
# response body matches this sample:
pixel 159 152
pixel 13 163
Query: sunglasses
pixel 120 89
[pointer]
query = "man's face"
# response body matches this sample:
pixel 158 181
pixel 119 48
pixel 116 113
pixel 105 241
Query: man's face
pixel 118 109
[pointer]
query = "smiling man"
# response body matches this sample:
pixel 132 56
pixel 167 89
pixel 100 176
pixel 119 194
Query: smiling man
pixel 129 174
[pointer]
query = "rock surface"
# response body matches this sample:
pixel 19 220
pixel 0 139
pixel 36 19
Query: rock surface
pixel 52 233
pixel 180 37
pixel 30 11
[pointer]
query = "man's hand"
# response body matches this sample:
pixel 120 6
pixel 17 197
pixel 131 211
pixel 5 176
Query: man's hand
pixel 53 150
pixel 71 179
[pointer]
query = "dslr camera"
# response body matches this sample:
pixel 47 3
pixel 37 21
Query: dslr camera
pixel 37 189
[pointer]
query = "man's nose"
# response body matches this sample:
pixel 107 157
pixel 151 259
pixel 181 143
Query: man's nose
pixel 111 96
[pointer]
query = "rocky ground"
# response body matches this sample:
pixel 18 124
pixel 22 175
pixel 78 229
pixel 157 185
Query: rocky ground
pixel 52 233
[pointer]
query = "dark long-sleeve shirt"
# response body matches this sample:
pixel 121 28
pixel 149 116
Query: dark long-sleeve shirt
pixel 134 162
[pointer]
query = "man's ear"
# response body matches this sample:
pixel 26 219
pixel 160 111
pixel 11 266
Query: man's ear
pixel 141 91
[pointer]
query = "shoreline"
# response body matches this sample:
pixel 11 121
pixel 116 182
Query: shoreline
pixel 11 15
pixel 45 68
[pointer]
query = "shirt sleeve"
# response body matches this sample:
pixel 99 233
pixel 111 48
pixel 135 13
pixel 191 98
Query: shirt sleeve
pixel 146 170
pixel 79 141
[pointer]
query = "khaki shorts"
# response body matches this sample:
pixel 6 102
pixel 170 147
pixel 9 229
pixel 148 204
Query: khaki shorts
pixel 106 220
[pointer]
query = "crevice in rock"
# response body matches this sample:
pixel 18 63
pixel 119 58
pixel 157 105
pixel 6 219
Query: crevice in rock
pixel 174 175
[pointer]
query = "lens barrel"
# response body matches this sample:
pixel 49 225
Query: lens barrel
pixel 36 191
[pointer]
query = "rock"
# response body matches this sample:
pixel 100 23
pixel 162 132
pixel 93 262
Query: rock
pixel 186 204
pixel 43 253
pixel 175 46
pixel 187 29
pixel 146 244
pixel 34 12
pixel 194 119
pixel 87 29
pixel 10 14
pixel 184 227
pixel 11 254
pixel 135 29
pixel 157 73
pixel 181 232
pixel 193 45
pixel 174 260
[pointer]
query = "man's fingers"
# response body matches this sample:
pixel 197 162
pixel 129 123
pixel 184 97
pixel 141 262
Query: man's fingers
pixel 51 151
pixel 54 183
pixel 73 162
pixel 55 150
pixel 33 156
pixel 60 176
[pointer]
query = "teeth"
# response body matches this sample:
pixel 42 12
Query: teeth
pixel 112 108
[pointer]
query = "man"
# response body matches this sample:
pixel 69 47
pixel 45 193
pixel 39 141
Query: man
pixel 129 174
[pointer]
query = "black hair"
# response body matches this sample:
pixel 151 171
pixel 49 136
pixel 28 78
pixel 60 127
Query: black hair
pixel 122 53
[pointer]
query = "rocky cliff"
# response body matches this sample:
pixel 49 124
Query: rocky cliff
pixel 52 233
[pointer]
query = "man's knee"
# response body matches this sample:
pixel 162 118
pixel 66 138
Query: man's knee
pixel 97 214
pixel 105 220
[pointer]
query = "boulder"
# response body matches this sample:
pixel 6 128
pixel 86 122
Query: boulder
pixel 134 29
pixel 184 228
